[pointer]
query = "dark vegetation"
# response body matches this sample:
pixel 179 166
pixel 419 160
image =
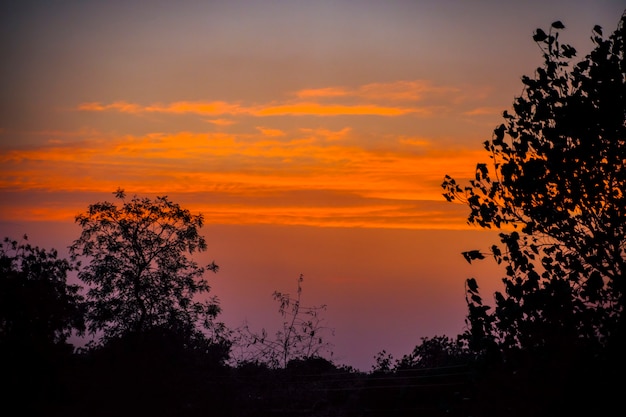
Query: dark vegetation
pixel 553 344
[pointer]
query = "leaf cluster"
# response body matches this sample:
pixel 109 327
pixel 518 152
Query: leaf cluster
pixel 38 308
pixel 556 188
pixel 140 273
pixel 431 352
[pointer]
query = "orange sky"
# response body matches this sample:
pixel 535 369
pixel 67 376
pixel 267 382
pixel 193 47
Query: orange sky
pixel 322 157
pixel 313 136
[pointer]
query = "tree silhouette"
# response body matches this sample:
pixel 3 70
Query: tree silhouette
pixel 556 190
pixel 140 273
pixel 38 308
pixel 39 311
pixel 433 352
pixel 302 336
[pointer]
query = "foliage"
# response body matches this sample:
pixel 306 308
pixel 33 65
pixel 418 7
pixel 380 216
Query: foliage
pixel 556 191
pixel 301 337
pixel 140 273
pixel 431 352
pixel 383 362
pixel 38 308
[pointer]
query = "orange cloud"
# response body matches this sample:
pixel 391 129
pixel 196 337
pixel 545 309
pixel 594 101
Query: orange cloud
pixel 120 106
pixel 365 100
pixel 413 90
pixel 270 132
pixel 251 178
pixel 400 216
pixel 329 135
pixel 220 108
pixel 484 111
pixel 221 122
pixel 403 90
pixel 179 107
pixel 323 92
pixel 316 109
pixel 196 107
pixel 414 141
pixel 377 173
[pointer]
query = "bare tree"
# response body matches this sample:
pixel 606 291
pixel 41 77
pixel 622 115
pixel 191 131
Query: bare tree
pixel 302 336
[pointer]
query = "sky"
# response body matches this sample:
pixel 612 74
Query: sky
pixel 312 136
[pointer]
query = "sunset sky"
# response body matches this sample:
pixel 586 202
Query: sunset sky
pixel 312 135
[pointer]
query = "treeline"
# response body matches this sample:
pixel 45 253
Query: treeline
pixel 553 343
pixel 165 367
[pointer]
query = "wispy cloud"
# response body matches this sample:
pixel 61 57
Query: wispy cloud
pixel 392 99
pixel 317 109
pixel 326 134
pixel 204 108
pixel 266 131
pixel 483 111
pixel 120 106
pixel 353 157
pixel 405 91
pixel 411 90
pixel 221 122
pixel 305 176
pixel 271 109
pixel 323 92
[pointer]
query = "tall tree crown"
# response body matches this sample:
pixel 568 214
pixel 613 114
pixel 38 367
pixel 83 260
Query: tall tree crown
pixel 556 187
pixel 140 272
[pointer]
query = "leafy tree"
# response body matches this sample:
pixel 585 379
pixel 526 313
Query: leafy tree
pixel 433 352
pixel 38 308
pixel 384 362
pixel 555 189
pixel 301 337
pixel 140 274
pixel 39 311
